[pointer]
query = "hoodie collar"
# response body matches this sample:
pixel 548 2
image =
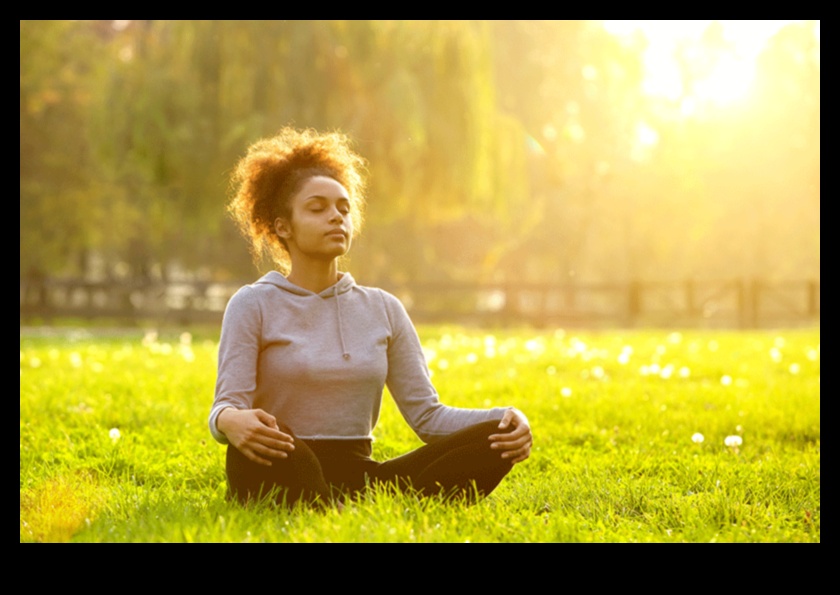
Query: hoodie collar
pixel 344 284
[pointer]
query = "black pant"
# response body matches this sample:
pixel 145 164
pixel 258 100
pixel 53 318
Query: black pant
pixel 460 465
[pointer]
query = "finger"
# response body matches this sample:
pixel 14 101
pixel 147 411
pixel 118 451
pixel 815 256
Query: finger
pixel 268 451
pixel 521 458
pixel 272 443
pixel 517 456
pixel 275 434
pixel 511 444
pixel 253 456
pixel 514 434
pixel 266 418
pixel 506 419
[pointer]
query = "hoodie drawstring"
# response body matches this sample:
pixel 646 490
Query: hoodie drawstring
pixel 344 353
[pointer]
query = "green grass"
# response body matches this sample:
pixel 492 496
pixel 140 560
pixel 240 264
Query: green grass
pixel 114 445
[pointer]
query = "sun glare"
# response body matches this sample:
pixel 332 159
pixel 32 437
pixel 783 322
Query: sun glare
pixel 687 66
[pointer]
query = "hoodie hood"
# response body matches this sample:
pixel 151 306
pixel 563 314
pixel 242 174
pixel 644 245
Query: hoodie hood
pixel 345 284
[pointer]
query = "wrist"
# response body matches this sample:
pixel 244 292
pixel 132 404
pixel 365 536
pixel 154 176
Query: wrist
pixel 220 418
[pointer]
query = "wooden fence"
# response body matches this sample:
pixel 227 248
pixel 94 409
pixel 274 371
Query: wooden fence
pixel 733 303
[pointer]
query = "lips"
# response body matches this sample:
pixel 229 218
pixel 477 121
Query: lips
pixel 337 232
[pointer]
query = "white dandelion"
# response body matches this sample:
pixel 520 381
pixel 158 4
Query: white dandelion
pixel 733 441
pixel 697 438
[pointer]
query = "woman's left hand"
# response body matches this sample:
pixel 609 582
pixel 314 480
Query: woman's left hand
pixel 516 442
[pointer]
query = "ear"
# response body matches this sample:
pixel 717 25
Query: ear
pixel 282 228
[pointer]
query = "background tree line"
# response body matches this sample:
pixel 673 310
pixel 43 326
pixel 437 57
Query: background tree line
pixel 498 150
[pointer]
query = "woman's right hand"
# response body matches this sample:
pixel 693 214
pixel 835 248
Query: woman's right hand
pixel 255 434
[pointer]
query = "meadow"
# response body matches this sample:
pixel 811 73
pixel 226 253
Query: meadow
pixel 640 436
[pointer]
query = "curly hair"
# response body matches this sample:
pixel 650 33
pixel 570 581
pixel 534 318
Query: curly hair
pixel 273 170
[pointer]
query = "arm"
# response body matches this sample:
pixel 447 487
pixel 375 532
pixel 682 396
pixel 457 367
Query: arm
pixel 232 419
pixel 410 384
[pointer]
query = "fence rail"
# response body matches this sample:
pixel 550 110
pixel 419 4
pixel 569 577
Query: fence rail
pixel 728 303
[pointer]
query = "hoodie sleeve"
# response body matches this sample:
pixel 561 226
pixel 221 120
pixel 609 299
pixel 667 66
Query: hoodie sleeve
pixel 239 346
pixel 409 382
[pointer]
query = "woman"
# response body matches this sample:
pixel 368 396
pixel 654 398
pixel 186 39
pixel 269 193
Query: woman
pixel 304 358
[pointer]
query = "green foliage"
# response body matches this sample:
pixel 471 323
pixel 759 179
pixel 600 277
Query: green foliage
pixel 114 445
pixel 514 144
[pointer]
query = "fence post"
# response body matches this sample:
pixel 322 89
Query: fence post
pixel 755 302
pixel 689 299
pixel 634 301
pixel 743 303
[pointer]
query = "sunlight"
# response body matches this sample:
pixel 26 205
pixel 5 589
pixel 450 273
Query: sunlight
pixel 727 83
pixel 684 64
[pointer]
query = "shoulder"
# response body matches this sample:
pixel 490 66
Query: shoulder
pixel 393 308
pixel 246 301
pixel 387 301
pixel 247 294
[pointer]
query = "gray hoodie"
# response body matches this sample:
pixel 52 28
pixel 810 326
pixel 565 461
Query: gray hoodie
pixel 319 362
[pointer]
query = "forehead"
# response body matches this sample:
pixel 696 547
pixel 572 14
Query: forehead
pixel 322 187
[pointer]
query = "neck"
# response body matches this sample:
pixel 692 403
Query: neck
pixel 315 276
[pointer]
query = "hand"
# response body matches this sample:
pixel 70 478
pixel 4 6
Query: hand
pixel 254 432
pixel 515 443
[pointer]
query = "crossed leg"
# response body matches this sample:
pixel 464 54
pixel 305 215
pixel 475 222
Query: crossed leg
pixel 461 465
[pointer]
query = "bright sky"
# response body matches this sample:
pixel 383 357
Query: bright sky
pixel 732 66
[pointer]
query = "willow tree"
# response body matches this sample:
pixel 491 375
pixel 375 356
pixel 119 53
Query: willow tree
pixel 65 205
pixel 183 100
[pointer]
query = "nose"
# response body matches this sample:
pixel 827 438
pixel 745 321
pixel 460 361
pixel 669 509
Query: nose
pixel 336 216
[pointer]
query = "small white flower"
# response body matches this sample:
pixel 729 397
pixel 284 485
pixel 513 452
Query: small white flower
pixel 566 391
pixel 114 434
pixel 733 441
pixel 697 438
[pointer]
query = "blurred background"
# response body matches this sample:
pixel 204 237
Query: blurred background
pixel 564 172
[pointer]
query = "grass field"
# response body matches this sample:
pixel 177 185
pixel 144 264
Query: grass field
pixel 640 436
